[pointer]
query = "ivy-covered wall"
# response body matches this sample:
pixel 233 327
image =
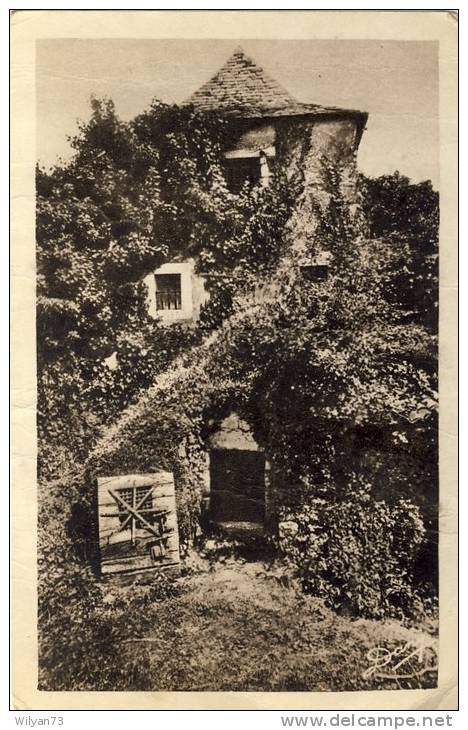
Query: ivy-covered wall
pixel 307 149
pixel 171 426
pixel 335 378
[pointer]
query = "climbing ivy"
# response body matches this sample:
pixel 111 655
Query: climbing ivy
pixel 336 379
pixel 134 195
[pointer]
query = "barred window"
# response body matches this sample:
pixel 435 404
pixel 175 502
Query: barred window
pixel 168 291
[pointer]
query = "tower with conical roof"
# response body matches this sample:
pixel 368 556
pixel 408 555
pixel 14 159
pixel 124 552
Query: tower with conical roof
pixel 261 113
pixel 242 89
pixel 270 130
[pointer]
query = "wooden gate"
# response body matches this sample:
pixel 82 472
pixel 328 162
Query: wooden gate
pixel 137 523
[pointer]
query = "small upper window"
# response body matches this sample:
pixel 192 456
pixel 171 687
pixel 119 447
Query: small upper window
pixel 168 291
pixel 242 170
pixel 315 272
pixel 316 268
pixel 246 167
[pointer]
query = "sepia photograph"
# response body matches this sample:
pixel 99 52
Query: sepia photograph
pixel 237 343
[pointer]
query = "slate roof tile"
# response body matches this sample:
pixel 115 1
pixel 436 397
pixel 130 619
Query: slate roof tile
pixel 241 85
pixel 241 88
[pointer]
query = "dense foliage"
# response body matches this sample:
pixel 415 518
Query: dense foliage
pixel 406 216
pixel 359 554
pixel 336 375
pixel 134 195
pixel 335 383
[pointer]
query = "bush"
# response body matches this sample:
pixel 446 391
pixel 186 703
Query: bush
pixel 358 554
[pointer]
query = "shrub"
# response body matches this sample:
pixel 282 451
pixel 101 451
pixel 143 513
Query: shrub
pixel 358 554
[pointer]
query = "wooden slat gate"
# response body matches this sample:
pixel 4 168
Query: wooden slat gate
pixel 137 523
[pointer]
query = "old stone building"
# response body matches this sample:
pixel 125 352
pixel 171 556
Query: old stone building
pixel 269 129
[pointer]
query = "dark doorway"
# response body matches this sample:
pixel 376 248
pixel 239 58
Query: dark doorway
pixel 237 485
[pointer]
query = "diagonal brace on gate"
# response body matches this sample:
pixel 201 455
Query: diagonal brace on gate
pixel 135 516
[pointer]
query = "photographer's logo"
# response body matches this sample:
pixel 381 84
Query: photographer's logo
pixel 404 661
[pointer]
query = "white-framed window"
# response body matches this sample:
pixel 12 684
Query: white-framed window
pixel 175 292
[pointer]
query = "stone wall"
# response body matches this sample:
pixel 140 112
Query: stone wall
pixel 232 433
pixel 304 148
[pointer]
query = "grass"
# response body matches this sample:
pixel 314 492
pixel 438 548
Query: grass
pixel 230 623
pixel 237 627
